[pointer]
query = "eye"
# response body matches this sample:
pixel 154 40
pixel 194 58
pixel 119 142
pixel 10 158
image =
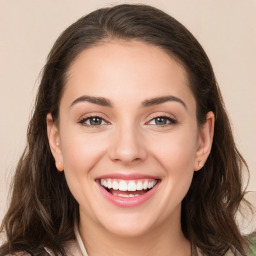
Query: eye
pixel 93 121
pixel 162 121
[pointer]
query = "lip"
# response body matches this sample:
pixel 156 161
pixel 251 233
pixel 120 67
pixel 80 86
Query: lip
pixel 128 201
pixel 132 176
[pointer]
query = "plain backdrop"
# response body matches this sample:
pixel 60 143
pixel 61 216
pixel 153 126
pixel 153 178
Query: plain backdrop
pixel 28 29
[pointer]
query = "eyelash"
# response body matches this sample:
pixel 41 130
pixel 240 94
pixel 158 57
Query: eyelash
pixel 169 121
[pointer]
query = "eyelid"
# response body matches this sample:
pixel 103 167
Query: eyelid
pixel 93 114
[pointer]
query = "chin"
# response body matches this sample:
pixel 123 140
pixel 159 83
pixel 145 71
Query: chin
pixel 128 230
pixel 129 224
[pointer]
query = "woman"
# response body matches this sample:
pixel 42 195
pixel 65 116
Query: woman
pixel 130 150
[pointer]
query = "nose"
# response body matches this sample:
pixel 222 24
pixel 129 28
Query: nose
pixel 127 146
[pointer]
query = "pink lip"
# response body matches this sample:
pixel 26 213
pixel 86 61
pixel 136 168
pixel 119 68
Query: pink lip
pixel 128 201
pixel 132 176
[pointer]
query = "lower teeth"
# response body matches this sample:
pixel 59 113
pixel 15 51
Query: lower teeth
pixel 114 192
pixel 122 195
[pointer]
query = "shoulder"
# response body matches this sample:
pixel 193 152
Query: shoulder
pixel 71 248
pixel 199 253
pixel 3 241
pixel 25 253
pixel 19 254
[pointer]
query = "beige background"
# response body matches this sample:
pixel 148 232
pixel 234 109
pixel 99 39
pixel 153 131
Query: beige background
pixel 28 28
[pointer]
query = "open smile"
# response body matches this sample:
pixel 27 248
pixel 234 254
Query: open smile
pixel 128 192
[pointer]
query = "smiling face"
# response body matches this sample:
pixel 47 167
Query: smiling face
pixel 128 137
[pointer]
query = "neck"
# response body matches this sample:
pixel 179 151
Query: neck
pixel 166 239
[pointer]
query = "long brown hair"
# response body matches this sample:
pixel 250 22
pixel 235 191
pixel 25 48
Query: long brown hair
pixel 42 209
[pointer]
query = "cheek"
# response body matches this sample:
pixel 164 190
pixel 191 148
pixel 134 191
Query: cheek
pixel 176 154
pixel 81 151
pixel 176 151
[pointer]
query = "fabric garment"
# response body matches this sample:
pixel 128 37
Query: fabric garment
pixel 74 247
pixel 77 248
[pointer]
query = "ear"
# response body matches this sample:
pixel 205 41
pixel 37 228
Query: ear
pixel 205 139
pixel 54 142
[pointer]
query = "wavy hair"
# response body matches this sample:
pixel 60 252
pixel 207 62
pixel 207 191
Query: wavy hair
pixel 42 210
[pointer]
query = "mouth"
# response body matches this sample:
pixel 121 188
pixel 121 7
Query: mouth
pixel 130 188
pixel 125 193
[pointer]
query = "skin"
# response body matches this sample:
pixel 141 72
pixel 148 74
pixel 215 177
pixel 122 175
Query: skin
pixel 129 140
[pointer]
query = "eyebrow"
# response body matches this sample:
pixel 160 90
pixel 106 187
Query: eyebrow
pixel 95 100
pixel 160 100
pixel 147 103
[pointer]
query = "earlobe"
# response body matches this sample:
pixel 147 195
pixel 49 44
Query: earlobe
pixel 204 141
pixel 54 142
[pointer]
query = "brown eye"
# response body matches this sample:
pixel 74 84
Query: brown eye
pixel 95 120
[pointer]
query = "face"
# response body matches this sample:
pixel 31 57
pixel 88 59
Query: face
pixel 127 137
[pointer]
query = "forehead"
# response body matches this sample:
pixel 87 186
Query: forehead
pixel 123 69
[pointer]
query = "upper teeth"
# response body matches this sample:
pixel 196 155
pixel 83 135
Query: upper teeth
pixel 125 185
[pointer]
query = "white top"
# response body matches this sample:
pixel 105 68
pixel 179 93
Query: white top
pixel 74 247
pixel 80 242
pixel 77 248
